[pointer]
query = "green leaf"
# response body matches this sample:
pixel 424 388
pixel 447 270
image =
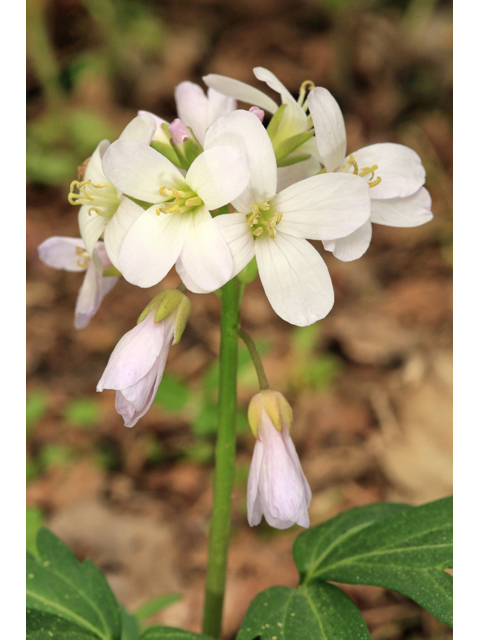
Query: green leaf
pixel 34 522
pixel 130 628
pixel 47 626
pixel 386 545
pixel 58 584
pixel 170 633
pixel 157 604
pixel 172 394
pixel 317 611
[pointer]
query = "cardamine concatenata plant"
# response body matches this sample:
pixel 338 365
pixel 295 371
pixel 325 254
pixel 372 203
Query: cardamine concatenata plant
pixel 223 198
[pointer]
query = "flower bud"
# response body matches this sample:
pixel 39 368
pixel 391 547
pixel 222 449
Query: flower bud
pixel 257 112
pixel 277 487
pixel 178 132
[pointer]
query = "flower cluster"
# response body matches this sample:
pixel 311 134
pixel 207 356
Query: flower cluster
pixel 216 191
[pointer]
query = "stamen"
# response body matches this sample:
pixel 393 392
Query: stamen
pixel 374 183
pixel 193 202
pixel 253 219
pixel 177 194
pixel 272 233
pixel 83 259
pixel 160 209
pixel 174 208
pixel 305 87
pixel 97 211
pixel 258 232
pixel 83 193
pixel 354 164
pixel 278 217
pixel 264 207
pixel 366 170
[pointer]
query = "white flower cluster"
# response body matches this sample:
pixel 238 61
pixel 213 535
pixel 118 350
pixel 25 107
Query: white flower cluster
pixel 156 196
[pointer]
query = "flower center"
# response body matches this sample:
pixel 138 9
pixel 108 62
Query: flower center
pixel 83 259
pixel 104 196
pixel 178 201
pixel 365 171
pixel 262 219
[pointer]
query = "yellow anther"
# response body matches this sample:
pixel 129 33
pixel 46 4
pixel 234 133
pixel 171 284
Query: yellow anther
pixel 374 183
pixel 278 217
pixel 272 233
pixel 177 194
pixel 160 209
pixel 174 208
pixel 253 219
pixel 255 209
pixel 83 259
pixel 166 193
pixel 307 85
pixel 305 88
pixel 366 170
pixel 265 206
pixel 82 188
pixel 258 232
pixel 353 162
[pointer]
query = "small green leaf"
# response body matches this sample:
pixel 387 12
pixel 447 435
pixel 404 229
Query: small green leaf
pixel 172 394
pixel 317 611
pixel 386 545
pixel 157 604
pixel 59 585
pixel 130 628
pixel 170 633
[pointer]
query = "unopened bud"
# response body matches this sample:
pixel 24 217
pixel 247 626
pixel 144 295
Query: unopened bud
pixel 178 132
pixel 257 112
pixel 275 406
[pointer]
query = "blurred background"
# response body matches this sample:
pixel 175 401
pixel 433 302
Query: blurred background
pixel 370 385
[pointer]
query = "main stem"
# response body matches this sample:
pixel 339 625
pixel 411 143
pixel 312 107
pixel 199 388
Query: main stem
pixel 224 462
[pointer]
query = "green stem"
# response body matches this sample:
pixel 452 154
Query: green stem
pixel 224 462
pixel 250 344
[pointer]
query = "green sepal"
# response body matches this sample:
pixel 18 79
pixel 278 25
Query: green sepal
pixel 287 162
pixel 275 121
pixel 250 272
pixel 166 150
pixel 288 146
pixel 163 303
pixel 182 318
pixel 111 271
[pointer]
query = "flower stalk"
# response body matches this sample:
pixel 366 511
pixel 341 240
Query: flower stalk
pixel 224 462
pixel 257 363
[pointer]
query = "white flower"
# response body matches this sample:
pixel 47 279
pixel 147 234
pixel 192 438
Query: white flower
pixel 178 225
pixel 103 209
pixel 70 254
pixel 135 368
pixel 277 487
pixel 293 122
pixel 394 173
pixel 274 227
pixel 197 110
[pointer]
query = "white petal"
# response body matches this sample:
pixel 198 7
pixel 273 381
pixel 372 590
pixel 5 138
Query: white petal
pixel 205 255
pixel 192 108
pixel 295 279
pixel 399 167
pixel 139 171
pixel 294 119
pixel 254 503
pixel 94 171
pixel 61 253
pixel 218 175
pixel 244 130
pixel 240 91
pixel 330 134
pixel 352 246
pixel 237 233
pixel 219 105
pixel 140 128
pixel 118 227
pixel 324 207
pixel 411 211
pixel 134 355
pixel 152 245
pixel 186 279
pixel 296 172
pixel 89 298
pixel 91 226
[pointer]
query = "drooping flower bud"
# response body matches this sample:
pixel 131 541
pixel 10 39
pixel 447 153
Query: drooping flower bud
pixel 178 132
pixel 277 487
pixel 135 368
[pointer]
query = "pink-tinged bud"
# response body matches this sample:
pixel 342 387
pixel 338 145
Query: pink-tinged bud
pixel 257 112
pixel 277 487
pixel 178 131
pixel 136 366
